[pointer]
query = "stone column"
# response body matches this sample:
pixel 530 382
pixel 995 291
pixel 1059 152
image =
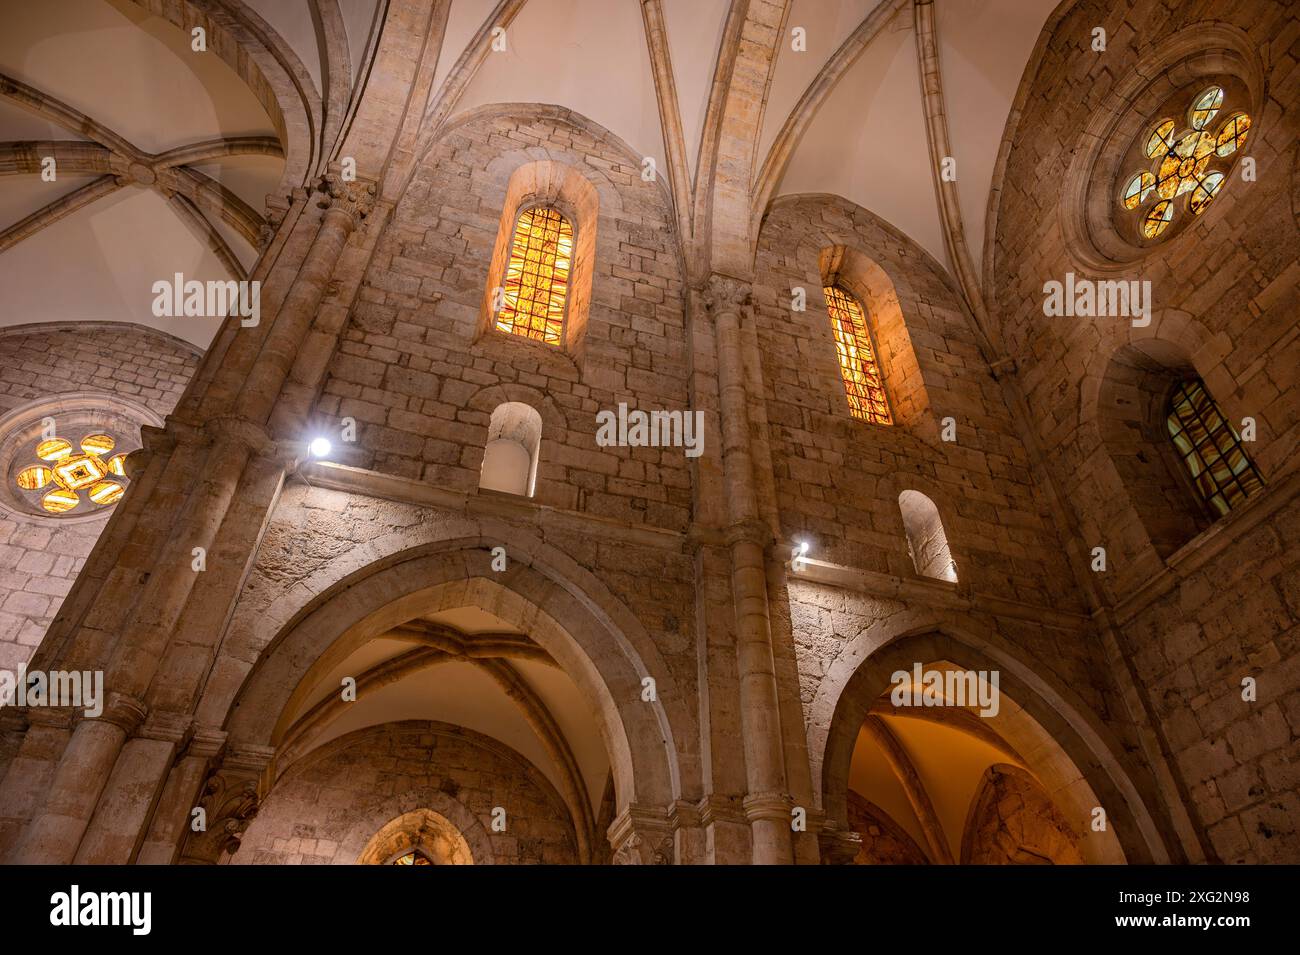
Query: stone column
pixel 41 734
pixel 207 463
pixel 128 797
pixel 345 204
pixel 767 805
pixel 56 831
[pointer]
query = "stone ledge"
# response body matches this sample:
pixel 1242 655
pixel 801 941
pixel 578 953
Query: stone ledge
pixel 1207 546
pixel 352 480
pixel 934 593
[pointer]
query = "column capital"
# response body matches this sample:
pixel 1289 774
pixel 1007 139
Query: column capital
pixel 772 807
pixel 726 293
pixel 124 711
pixel 838 846
pixel 751 530
pixel 206 742
pixel 166 727
pixel 354 197
pixel 642 836
pixel 715 808
pixel 230 799
pixel 240 430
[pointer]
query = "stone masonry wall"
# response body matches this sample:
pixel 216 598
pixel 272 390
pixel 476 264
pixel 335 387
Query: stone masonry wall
pixel 326 807
pixel 1225 294
pixel 837 479
pixel 40 557
pixel 422 386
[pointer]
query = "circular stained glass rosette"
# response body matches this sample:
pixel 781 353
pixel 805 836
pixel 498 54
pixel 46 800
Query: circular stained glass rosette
pixel 72 474
pixel 1182 162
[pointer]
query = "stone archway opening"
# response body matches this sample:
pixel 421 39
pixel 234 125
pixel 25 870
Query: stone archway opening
pixel 418 834
pixel 513 659
pixel 915 733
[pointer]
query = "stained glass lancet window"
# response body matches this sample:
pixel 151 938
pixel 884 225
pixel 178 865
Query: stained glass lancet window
pixel 1210 448
pixel 862 380
pixel 536 282
pixel 1181 161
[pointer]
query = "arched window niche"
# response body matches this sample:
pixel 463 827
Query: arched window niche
pixel 1177 453
pixel 418 837
pixel 513 447
pixel 927 542
pixel 859 278
pixel 550 209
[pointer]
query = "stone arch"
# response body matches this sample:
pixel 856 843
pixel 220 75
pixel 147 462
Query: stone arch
pixel 1121 416
pixel 946 507
pixel 1010 137
pixel 610 201
pixel 1079 760
pixel 592 637
pixel 611 190
pixel 421 830
pixel 552 425
pixel 884 841
pixel 270 69
pixel 903 287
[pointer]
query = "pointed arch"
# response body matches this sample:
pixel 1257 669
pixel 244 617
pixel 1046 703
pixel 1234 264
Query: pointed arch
pixel 1079 758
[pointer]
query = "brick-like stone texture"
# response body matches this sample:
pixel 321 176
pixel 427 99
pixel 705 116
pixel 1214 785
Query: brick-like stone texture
pixel 313 813
pixel 1226 297
pixel 884 842
pixel 421 378
pixel 1013 822
pixel 40 558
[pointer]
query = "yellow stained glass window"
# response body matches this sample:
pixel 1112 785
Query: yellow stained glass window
pixel 412 858
pixel 1207 190
pixel 1138 189
pixel 1205 106
pixel 536 283
pixel 66 475
pixel 1158 219
pixel 1161 139
pixel 1233 135
pixel 54 449
pixel 1181 163
pixel 862 380
pixel 1210 449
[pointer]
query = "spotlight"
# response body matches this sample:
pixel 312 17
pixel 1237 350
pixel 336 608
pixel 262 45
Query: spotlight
pixel 320 447
pixel 797 555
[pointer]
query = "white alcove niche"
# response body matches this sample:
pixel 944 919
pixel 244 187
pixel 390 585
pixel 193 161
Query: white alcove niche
pixel 513 444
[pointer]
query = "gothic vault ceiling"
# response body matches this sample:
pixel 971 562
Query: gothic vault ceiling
pixel 133 74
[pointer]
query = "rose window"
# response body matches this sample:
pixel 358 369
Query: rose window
pixel 86 476
pixel 1183 162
